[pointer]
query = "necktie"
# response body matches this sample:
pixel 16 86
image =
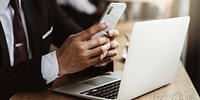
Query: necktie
pixel 20 45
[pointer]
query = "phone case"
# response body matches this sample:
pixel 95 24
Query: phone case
pixel 111 16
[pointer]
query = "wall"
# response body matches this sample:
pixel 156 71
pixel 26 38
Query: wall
pixel 193 52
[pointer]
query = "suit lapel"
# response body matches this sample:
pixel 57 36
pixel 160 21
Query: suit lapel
pixel 33 27
pixel 5 59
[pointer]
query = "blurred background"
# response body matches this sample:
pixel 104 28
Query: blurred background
pixel 88 12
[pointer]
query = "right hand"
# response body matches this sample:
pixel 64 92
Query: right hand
pixel 77 53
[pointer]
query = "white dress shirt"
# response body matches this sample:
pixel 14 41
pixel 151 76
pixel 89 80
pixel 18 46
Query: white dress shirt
pixel 49 63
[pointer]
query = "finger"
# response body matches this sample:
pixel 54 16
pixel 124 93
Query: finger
pixel 112 53
pixel 103 55
pixel 99 50
pixel 103 62
pixel 92 31
pixel 114 44
pixel 113 33
pixel 96 60
pixel 97 42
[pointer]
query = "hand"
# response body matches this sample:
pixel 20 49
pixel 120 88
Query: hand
pixel 77 53
pixel 112 52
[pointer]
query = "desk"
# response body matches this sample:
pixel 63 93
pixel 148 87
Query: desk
pixel 181 89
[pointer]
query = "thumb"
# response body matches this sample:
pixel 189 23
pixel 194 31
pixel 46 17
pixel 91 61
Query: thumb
pixel 85 35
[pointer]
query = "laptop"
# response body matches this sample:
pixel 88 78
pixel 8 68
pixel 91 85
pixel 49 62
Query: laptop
pixel 152 61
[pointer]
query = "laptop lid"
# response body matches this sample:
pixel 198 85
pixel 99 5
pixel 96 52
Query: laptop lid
pixel 153 56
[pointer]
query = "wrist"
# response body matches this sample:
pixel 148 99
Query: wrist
pixel 61 70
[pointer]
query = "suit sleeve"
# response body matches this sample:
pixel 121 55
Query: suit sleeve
pixel 24 76
pixel 64 26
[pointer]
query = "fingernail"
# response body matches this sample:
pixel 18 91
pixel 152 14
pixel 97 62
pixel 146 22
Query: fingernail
pixel 110 33
pixel 106 24
pixel 102 26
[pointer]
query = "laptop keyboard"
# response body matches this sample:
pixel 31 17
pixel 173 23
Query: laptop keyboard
pixel 108 91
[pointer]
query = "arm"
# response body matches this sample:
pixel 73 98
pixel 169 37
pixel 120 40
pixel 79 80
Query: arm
pixel 22 76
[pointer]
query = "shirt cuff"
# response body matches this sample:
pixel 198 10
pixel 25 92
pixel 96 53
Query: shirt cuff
pixel 49 67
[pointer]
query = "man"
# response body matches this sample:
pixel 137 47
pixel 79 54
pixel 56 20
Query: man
pixel 25 61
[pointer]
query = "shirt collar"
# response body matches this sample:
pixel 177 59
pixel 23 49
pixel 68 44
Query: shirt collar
pixel 4 4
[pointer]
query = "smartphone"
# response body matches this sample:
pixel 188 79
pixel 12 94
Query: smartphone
pixel 111 16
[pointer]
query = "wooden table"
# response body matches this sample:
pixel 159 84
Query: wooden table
pixel 181 89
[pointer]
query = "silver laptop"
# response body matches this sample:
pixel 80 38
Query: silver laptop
pixel 152 60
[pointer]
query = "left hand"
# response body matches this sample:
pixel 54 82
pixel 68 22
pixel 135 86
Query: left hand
pixel 112 52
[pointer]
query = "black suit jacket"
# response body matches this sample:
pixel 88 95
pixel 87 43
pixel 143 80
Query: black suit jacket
pixel 40 16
